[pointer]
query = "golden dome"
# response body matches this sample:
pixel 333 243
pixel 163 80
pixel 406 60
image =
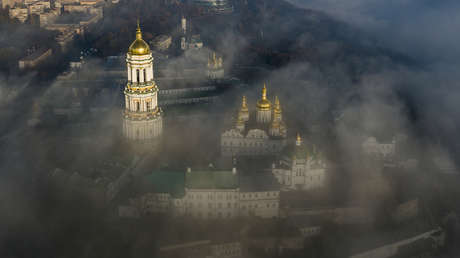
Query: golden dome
pixel 277 107
pixel 244 105
pixel 139 46
pixel 264 103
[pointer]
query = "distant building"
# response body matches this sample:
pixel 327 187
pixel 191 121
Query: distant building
pixel 65 37
pixel 19 13
pixel 203 248
pixel 304 171
pixel 35 58
pixel 215 6
pixel 162 42
pixel 209 194
pixel 48 18
pixel 377 149
pixel 261 134
pixel 188 40
pixel 215 67
pixel 39 7
pixel 10 3
pixel 192 42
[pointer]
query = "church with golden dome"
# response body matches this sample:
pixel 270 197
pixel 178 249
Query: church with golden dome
pixel 142 117
pixel 261 133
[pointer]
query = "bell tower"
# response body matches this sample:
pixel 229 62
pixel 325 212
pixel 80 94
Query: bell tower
pixel 142 116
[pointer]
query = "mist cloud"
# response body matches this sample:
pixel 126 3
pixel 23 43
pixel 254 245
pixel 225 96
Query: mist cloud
pixel 425 29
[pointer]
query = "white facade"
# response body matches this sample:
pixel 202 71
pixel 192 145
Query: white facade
pixel 142 116
pixel 208 203
pixel 226 250
pixel 305 171
pixel 232 198
pixel 380 150
pixel 264 204
pixel 255 142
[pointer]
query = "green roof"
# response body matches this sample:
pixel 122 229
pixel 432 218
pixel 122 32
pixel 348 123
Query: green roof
pixel 171 182
pixel 211 180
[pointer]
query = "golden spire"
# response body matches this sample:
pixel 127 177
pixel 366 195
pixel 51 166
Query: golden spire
pixel 277 105
pixel 298 141
pixel 264 92
pixel 244 105
pixel 138 30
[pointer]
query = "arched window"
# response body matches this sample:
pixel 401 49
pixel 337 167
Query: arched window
pixel 145 75
pixel 138 106
pixel 147 104
pixel 137 75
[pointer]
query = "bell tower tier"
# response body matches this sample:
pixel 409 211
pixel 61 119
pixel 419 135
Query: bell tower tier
pixel 142 116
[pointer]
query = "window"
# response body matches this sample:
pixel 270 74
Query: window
pixel 147 104
pixel 137 75
pixel 138 106
pixel 145 75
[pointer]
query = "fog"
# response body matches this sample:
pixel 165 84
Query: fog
pixel 424 29
pixel 349 95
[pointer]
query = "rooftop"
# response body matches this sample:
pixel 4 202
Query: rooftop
pixel 258 182
pixel 211 180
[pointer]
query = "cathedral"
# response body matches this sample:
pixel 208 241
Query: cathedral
pixel 263 133
pixel 305 170
pixel 142 116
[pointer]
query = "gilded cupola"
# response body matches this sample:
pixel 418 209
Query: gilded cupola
pixel 264 103
pixel 139 46
pixel 277 107
pixel 244 105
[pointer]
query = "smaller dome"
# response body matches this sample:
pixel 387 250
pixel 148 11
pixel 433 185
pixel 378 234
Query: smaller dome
pixel 264 103
pixel 139 46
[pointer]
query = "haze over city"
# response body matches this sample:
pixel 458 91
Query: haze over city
pixel 229 128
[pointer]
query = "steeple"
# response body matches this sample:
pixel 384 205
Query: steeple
pixel 298 141
pixel 138 31
pixel 264 92
pixel 244 105
pixel 243 113
pixel 277 107
pixel 139 46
